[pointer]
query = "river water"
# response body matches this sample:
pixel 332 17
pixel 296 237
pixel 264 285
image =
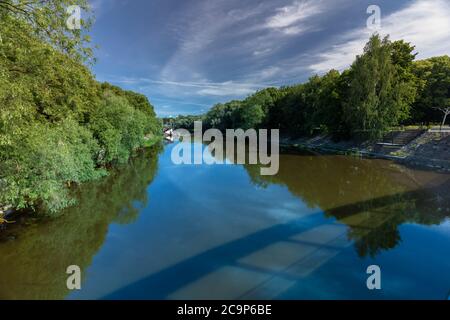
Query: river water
pixel 155 230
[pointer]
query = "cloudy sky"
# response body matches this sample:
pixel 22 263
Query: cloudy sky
pixel 187 55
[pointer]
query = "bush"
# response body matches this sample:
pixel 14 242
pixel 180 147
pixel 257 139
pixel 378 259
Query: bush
pixel 119 129
pixel 44 160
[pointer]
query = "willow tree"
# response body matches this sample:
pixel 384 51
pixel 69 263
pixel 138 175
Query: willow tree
pixel 379 96
pixel 48 20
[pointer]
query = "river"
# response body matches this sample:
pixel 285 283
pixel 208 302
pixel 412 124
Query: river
pixel 156 230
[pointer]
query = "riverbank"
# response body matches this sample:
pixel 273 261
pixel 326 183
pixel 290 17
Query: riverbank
pixel 5 211
pixel 430 150
pixel 151 140
pixel 8 212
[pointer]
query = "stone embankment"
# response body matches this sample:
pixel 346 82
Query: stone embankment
pixel 429 149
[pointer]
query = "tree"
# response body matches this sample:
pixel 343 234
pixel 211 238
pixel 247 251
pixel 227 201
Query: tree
pixel 434 93
pixel 446 112
pixel 58 126
pixel 182 122
pixel 266 100
pixel 323 109
pixel 378 96
pixel 118 127
pixel 403 56
pixel 47 19
pixel 223 116
pixel 250 116
pixel 139 102
pixel 289 112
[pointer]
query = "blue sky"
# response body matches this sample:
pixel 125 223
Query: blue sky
pixel 187 55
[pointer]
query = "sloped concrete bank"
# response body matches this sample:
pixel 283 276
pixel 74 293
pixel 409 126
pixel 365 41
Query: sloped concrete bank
pixel 430 150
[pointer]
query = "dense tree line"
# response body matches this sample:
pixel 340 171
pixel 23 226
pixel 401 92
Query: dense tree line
pixel 58 125
pixel 182 122
pixel 385 87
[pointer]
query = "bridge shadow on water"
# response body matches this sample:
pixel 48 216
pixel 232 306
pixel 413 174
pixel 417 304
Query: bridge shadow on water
pixel 268 262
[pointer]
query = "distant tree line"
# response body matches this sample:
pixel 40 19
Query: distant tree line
pixel 182 122
pixel 384 87
pixel 58 125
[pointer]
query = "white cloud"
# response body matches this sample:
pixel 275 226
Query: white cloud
pixel 170 102
pixel 207 23
pixel 262 52
pixel 268 73
pixel 288 18
pixel 211 25
pixel 229 88
pixel 227 85
pixel 424 23
pixel 199 88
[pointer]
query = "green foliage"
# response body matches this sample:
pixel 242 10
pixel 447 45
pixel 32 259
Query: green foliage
pixel 315 106
pixel 251 116
pixel 378 97
pixel 434 92
pixel 137 100
pixel 303 109
pixel 223 116
pixel 47 21
pixel 119 128
pixel 255 111
pixel 252 112
pixel 288 113
pixel 42 160
pixel 182 122
pixel 58 126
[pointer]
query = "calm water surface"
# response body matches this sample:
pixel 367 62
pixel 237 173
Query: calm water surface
pixel 154 230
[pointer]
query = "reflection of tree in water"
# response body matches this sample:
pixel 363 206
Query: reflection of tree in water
pixel 371 197
pixel 380 238
pixel 34 264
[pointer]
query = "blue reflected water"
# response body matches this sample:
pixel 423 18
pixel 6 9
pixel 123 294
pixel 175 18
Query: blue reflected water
pixel 224 232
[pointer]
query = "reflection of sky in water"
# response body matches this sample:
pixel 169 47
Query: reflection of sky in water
pixel 277 247
pixel 223 231
pixel 192 209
